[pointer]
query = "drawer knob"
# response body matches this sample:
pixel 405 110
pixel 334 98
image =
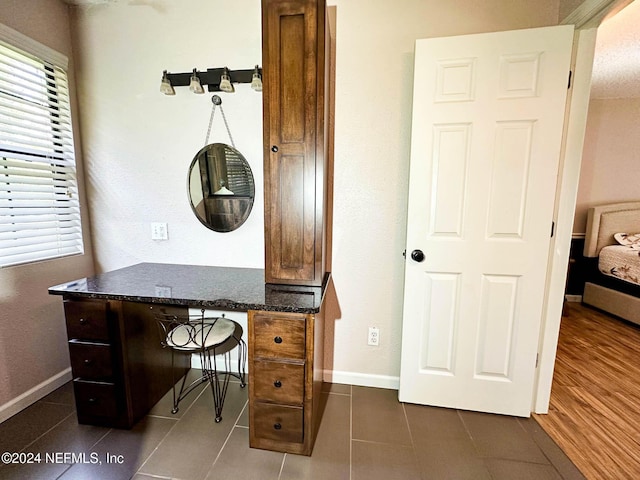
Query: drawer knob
pixel 277 426
pixel 88 361
pixel 82 321
pixel 92 400
pixel 277 384
pixel 278 339
pixel 274 148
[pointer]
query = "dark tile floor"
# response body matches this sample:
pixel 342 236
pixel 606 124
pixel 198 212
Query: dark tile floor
pixel 365 434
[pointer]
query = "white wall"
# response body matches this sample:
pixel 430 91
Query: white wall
pixel 33 344
pixel 139 143
pixel 374 80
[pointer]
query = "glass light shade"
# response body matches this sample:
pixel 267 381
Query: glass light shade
pixel 225 84
pixel 165 85
pixel 194 85
pixel 256 82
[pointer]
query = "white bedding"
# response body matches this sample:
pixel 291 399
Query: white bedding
pixel 620 261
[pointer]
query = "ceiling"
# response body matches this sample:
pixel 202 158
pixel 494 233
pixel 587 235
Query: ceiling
pixel 616 68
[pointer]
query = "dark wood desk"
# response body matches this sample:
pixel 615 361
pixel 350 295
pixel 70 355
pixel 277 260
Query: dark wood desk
pixel 120 370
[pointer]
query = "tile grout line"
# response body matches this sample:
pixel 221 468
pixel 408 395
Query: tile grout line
pixel 284 458
pixel 466 429
pixel 153 475
pixel 64 473
pixel 227 439
pixel 47 431
pixel 92 447
pixel 413 444
pixel 543 450
pixel 351 433
pixel 168 432
pixel 337 393
pixel 372 442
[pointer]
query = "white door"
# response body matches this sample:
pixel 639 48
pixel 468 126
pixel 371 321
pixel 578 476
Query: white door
pixel 488 111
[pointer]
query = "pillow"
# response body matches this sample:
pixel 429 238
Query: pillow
pixel 629 239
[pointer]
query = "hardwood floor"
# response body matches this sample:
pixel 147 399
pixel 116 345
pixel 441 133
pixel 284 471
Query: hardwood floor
pixel 594 413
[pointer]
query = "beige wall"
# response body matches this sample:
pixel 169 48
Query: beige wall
pixel 33 339
pixel 139 143
pixel 610 169
pixel 374 81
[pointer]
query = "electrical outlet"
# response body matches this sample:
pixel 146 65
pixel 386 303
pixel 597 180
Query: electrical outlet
pixel 159 231
pixel 163 292
pixel 374 336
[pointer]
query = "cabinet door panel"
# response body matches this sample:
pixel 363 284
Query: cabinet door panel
pixel 292 91
pixel 293 215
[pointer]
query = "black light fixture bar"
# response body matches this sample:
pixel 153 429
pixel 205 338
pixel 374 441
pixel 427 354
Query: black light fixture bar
pixel 211 77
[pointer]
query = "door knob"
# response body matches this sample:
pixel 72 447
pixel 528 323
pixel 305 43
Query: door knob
pixel 274 149
pixel 417 255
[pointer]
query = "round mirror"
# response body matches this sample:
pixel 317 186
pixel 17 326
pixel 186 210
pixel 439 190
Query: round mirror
pixel 221 187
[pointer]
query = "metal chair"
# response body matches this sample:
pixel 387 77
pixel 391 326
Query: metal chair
pixel 209 337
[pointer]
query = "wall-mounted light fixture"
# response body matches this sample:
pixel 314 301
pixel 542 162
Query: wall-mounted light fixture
pixel 215 79
pixel 225 82
pixel 165 85
pixel 256 80
pixel 194 84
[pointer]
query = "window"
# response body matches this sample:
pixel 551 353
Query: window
pixel 39 208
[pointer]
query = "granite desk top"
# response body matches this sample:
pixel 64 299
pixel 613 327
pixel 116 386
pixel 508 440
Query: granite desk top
pixel 223 288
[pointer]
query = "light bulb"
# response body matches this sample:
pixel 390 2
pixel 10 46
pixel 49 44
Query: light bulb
pixel 256 80
pixel 225 82
pixel 194 85
pixel 165 85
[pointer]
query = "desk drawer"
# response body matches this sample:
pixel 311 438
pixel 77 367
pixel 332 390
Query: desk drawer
pixel 90 360
pixel 87 319
pixel 278 382
pixel 277 422
pixel 279 337
pixel 95 399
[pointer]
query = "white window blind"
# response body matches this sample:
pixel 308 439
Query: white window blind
pixel 39 208
pixel 238 172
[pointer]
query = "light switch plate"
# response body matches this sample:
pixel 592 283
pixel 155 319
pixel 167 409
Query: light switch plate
pixel 159 231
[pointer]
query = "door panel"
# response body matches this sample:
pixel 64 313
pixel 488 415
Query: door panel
pixel 487 125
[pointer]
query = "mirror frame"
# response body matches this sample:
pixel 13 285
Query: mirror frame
pixel 195 163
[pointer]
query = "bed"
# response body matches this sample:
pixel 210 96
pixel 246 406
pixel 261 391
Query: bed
pixel 613 254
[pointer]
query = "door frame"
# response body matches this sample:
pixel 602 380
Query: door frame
pixel 586 18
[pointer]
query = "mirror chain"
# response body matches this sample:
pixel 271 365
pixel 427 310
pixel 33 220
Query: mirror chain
pixel 224 118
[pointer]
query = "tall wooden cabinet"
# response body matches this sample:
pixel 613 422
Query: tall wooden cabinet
pixel 294 54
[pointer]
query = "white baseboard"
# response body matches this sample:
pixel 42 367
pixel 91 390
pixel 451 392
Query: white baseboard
pixel 573 298
pixel 362 379
pixel 196 363
pixel 31 396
